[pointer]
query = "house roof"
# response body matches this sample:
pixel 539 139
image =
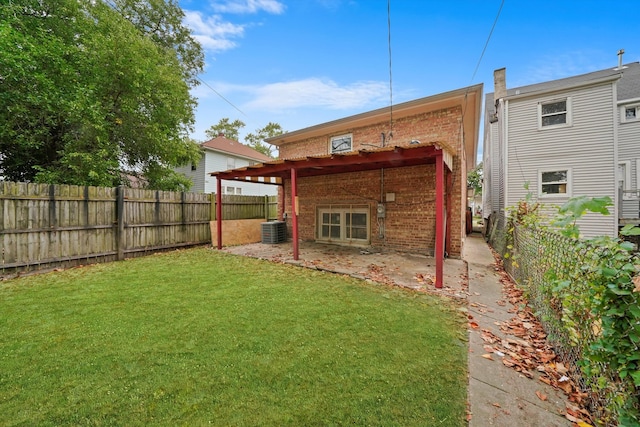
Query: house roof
pixel 354 161
pixel 229 146
pixel 470 98
pixel 628 85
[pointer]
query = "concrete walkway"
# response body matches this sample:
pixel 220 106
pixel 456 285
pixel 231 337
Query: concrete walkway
pixel 498 395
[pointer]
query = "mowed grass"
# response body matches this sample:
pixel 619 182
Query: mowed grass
pixel 198 337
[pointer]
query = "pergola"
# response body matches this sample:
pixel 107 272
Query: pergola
pixel 275 172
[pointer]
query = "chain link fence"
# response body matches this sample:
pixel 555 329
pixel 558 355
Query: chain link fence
pixel 543 262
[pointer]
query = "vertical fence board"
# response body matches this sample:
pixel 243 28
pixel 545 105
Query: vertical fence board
pixel 46 226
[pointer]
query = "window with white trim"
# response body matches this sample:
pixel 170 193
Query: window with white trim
pixel 624 179
pixel 341 144
pixel 554 183
pixel 556 113
pixel 343 223
pixel 231 163
pixel 630 113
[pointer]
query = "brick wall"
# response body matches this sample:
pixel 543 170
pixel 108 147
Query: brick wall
pixel 410 219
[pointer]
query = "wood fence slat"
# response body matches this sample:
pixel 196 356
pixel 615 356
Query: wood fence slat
pixel 45 226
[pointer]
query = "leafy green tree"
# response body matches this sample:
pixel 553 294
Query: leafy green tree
pixel 89 91
pixel 257 140
pixel 230 130
pixel 161 20
pixel 474 179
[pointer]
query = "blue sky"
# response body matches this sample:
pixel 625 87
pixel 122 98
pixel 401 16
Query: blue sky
pixel 304 62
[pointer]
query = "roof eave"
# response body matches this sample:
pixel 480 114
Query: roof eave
pixel 577 85
pixel 409 108
pixel 229 153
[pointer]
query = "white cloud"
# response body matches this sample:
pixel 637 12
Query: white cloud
pixel 248 6
pixel 212 32
pixel 552 67
pixel 317 93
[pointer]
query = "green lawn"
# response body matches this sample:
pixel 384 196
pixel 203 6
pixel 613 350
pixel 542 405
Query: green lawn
pixel 199 337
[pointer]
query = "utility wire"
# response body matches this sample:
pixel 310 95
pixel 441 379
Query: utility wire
pixel 484 49
pixel 220 95
pixel 390 74
pixel 114 6
pixel 487 42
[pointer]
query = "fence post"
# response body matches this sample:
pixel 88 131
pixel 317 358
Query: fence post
pixel 53 217
pixel 120 221
pixel 212 199
pixel 183 212
pixel 266 208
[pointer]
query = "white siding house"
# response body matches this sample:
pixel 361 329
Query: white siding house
pixel 570 137
pixel 221 154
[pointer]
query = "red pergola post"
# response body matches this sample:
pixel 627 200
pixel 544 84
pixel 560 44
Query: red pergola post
pixel 439 249
pixel 294 211
pixel 219 210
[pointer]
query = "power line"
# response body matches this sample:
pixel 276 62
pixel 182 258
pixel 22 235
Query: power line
pixel 495 22
pixel 390 73
pixel 114 6
pixel 220 95
pixel 464 109
pixel 487 42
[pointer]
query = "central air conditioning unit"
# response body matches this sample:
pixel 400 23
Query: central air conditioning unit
pixel 274 232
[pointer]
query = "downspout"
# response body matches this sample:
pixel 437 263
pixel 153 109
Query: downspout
pixel 505 156
pixel 617 203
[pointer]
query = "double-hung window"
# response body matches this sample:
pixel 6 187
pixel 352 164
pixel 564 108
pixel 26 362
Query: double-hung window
pixel 231 163
pixel 624 179
pixel 555 183
pixel 630 113
pixel 555 113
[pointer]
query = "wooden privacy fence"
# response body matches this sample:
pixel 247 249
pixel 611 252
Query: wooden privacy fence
pixel 46 226
pixel 246 207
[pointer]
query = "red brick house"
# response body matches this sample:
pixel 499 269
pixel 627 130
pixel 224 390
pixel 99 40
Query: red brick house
pixel 392 178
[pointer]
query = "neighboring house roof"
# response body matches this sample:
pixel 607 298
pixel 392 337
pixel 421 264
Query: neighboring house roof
pixel 229 146
pixel 628 85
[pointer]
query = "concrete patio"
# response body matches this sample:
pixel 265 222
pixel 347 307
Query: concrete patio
pixel 393 268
